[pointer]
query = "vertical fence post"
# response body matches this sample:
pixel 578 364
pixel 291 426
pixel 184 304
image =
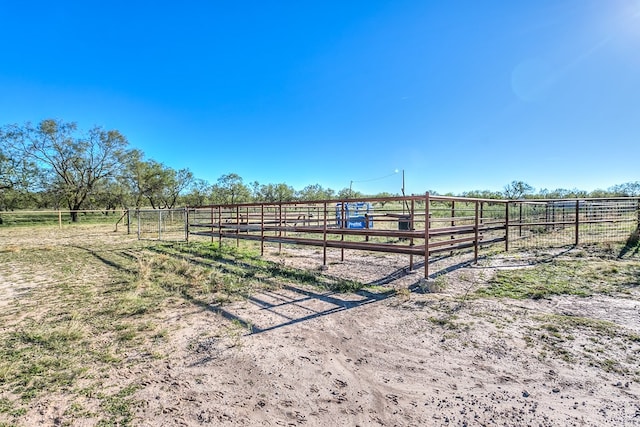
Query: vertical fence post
pixel 411 227
pixel 342 222
pixel 476 241
pixel 212 224
pixel 186 224
pixel 219 226
pixel 577 222
pixel 324 236
pixel 453 218
pixel 286 220
pixel 59 219
pixel 128 221
pixel 506 227
pixel 262 230
pixel 237 226
pixel 138 215
pixel 159 225
pixel 520 221
pixel 280 227
pixel 426 235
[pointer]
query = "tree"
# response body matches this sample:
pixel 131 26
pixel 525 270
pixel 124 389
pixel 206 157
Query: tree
pixel 315 192
pixel 517 190
pixel 230 189
pixel 275 193
pixel 151 180
pixel 74 162
pixel 628 189
pixel 348 193
pixel 198 193
pixel 482 194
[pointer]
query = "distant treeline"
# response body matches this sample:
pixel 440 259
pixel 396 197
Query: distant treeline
pixel 56 165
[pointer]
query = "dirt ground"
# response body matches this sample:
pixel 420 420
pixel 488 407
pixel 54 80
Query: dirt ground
pixel 427 355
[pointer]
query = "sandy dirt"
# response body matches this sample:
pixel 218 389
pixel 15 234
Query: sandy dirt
pixel 297 355
pixel 318 358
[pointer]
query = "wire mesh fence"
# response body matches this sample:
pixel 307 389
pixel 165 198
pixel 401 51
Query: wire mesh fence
pixel 554 223
pixel 157 224
pixel 58 217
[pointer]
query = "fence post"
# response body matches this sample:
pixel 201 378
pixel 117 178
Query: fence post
pixel 342 225
pixel 411 228
pixel 186 224
pixel 138 216
pixel 128 221
pixel 219 226
pixel 577 222
pixel 237 226
pixel 506 227
pixel 476 241
pixel 324 236
pixel 262 230
pixel 212 225
pixel 426 235
pixel 159 224
pixel 280 227
pixel 520 220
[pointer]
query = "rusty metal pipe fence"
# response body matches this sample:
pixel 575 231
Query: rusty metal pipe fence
pixel 418 226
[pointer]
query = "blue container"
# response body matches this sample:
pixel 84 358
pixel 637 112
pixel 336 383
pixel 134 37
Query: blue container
pixel 356 215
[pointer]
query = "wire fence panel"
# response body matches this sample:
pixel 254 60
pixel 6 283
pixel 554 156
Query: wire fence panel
pixel 58 218
pixel 158 224
pixel 554 223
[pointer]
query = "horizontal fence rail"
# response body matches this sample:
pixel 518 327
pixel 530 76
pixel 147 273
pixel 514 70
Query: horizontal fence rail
pixel 417 226
pixel 59 217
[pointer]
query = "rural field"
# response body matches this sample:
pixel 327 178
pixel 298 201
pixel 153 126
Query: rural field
pixel 100 329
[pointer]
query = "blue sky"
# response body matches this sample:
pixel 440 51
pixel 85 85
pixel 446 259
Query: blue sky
pixel 461 95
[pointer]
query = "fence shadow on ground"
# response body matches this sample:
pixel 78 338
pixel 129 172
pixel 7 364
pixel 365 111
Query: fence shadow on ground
pixel 267 310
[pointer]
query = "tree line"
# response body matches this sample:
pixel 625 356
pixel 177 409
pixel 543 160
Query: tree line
pixel 55 164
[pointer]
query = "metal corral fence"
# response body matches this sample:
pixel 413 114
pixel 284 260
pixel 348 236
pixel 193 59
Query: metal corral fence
pixel 418 226
pixel 156 224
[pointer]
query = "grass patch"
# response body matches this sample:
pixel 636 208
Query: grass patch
pixel 564 277
pixel 99 303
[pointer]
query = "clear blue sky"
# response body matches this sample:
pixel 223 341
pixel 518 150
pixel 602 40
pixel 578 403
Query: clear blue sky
pixel 462 95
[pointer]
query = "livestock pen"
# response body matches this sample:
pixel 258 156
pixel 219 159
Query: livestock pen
pixel 417 226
